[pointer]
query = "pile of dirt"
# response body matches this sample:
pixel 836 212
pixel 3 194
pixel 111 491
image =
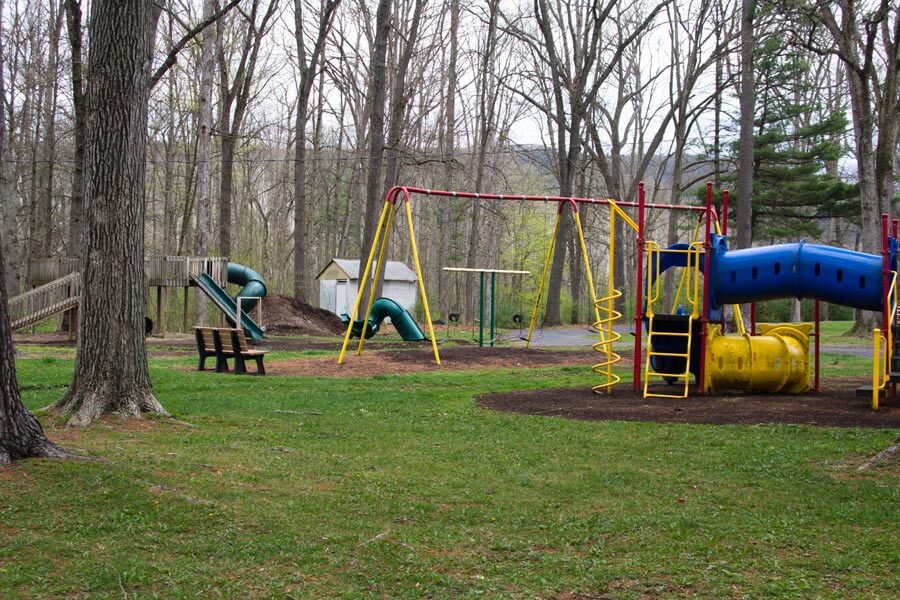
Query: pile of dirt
pixel 284 315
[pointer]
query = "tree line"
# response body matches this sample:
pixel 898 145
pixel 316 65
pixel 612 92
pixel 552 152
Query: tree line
pixel 269 132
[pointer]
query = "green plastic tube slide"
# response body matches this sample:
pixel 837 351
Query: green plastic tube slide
pixel 384 308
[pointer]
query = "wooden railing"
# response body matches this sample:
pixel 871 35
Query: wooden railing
pixel 45 300
pixel 176 271
pixel 45 270
pixel 166 271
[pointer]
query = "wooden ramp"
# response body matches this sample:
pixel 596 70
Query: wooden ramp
pixel 44 301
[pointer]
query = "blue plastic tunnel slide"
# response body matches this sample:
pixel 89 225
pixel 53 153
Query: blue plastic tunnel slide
pixel 799 270
pixel 763 273
pixel 384 308
pixel 254 288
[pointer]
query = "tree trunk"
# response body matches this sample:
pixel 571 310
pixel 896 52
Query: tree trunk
pixel 307 76
pixel 486 129
pixel 449 150
pixel 375 102
pixel 744 212
pixel 21 435
pixel 9 245
pixel 111 373
pixel 226 193
pixel 79 106
pixel 204 141
pixel 399 99
pixel 43 242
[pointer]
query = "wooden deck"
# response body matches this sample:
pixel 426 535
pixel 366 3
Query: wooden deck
pixel 160 271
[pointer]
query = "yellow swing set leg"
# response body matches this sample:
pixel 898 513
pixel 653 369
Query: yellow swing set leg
pixel 364 280
pixel 379 270
pixel 541 284
pixel 415 253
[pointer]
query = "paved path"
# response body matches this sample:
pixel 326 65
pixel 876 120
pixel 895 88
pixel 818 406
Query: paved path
pixel 583 336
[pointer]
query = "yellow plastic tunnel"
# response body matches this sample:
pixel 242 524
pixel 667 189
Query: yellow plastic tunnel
pixel 777 360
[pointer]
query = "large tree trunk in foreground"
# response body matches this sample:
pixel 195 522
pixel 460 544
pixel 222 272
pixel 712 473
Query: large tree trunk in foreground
pixel 111 372
pixel 21 435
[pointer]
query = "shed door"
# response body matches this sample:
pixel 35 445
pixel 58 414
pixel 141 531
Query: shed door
pixel 340 297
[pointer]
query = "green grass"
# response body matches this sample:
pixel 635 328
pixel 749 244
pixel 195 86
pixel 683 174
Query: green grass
pixel 833 333
pixel 401 487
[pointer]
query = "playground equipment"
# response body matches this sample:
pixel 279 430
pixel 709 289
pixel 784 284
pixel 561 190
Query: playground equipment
pixel 236 308
pixel 377 251
pixel 386 308
pixel 481 273
pixel 57 288
pixel 687 341
pixel 776 360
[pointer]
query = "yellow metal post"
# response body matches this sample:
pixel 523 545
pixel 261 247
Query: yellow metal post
pixel 587 264
pixel 604 325
pixel 540 291
pixel 362 283
pixel 379 270
pixel 876 367
pixel 415 253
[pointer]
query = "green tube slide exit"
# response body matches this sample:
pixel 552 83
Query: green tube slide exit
pixel 384 308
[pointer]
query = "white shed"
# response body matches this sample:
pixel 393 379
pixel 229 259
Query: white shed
pixel 339 284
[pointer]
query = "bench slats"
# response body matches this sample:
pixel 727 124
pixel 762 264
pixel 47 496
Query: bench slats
pixel 221 343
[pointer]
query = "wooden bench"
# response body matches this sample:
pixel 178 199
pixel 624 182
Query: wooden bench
pixel 206 347
pixel 224 343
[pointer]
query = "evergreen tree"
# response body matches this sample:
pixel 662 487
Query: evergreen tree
pixel 792 193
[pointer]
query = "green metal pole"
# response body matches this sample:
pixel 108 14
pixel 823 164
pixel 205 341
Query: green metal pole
pixel 493 280
pixel 481 311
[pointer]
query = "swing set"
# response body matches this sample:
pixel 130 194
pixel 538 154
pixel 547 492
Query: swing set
pixel 605 314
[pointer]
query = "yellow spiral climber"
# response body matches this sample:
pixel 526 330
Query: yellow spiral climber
pixel 608 315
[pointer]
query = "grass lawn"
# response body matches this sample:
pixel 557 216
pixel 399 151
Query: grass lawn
pixel 401 487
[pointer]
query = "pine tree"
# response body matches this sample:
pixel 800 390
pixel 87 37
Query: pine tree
pixel 792 193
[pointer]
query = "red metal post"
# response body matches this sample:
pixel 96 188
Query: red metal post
pixel 725 213
pixel 816 350
pixel 886 269
pixel 639 295
pixel 707 255
pixel 894 223
pixel 753 318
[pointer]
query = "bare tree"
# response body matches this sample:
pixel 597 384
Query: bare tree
pixel 748 111
pixel 235 95
pixel 204 139
pixel 375 102
pixel 573 47
pixel 308 66
pixel 9 246
pixel 79 109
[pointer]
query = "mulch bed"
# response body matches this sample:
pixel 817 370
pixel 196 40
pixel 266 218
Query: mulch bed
pixel 419 357
pixel 835 406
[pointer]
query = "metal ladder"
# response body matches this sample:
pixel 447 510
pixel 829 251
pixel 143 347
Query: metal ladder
pixel 691 278
pixel 684 376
